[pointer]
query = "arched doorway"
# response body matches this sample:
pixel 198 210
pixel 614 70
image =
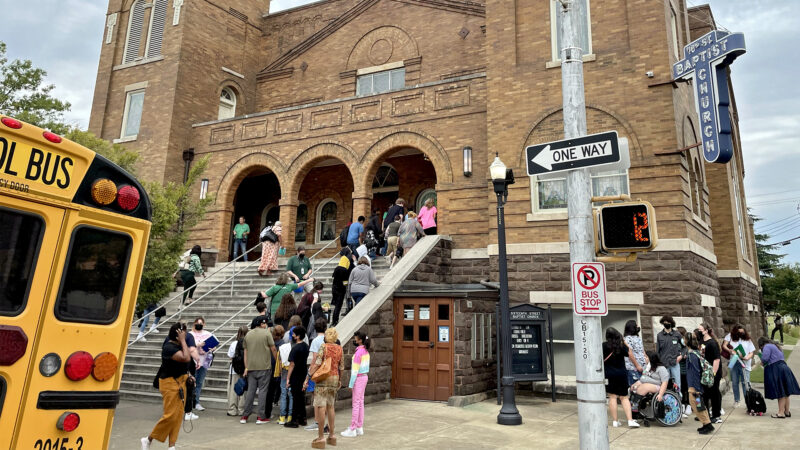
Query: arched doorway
pixel 403 173
pixel 256 200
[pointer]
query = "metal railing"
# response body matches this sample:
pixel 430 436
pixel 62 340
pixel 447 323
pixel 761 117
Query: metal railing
pixel 197 283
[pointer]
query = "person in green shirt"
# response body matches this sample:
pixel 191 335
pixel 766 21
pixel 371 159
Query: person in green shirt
pixel 240 232
pixel 282 286
pixel 299 267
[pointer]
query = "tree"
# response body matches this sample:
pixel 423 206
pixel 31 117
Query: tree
pixel 175 212
pixel 784 287
pixel 767 260
pixel 24 96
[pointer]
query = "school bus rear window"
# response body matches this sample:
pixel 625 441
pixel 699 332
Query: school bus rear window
pixel 94 276
pixel 20 238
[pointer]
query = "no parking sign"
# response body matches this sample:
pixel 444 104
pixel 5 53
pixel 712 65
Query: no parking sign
pixel 589 289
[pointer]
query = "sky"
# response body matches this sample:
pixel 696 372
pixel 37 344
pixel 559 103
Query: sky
pixel 64 37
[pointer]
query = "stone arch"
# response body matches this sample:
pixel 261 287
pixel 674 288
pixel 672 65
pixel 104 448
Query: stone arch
pixel 549 126
pixel 240 169
pixel 305 160
pixel 380 46
pixel 371 160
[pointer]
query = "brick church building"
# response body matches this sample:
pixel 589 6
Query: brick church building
pixel 321 113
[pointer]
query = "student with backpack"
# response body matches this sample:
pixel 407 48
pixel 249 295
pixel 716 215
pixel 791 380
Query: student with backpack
pixel 699 375
pixel 236 371
pixel 779 381
pixel 711 353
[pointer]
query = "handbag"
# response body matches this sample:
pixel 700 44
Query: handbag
pixel 282 251
pixel 240 387
pixel 268 235
pixel 160 312
pixel 324 370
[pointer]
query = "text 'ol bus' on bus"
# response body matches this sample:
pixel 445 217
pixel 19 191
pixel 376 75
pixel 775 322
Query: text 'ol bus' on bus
pixel 73 237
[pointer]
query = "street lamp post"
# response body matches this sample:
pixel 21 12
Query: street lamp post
pixel 501 178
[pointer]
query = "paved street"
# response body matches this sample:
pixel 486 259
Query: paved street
pixel 412 424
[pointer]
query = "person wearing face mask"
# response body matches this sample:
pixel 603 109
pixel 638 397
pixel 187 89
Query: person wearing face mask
pixel 711 353
pixel 669 345
pixel 358 383
pixel 299 267
pixel 203 359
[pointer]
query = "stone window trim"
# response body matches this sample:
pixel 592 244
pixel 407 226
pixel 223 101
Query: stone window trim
pixel 140 62
pixel 540 215
pixel 555 58
pixel 381 68
pixel 144 29
pixel 227 103
pixel 318 221
pixel 232 72
pixel 130 90
pixel 675 40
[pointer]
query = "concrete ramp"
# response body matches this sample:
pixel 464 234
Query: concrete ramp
pixel 370 304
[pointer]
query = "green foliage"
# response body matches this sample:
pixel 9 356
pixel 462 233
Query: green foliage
pixel 175 212
pixel 784 287
pixel 767 259
pixel 113 152
pixel 24 96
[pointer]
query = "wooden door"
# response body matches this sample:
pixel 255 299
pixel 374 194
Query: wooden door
pixel 423 348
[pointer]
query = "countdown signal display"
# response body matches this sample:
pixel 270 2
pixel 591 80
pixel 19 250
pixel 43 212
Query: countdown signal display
pixel 627 227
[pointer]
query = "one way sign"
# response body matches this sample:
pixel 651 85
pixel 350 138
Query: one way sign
pixel 586 151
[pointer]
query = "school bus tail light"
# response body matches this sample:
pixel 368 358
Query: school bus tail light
pixel 105 365
pixel 11 123
pixel 68 421
pixel 128 198
pixel 52 137
pixel 13 343
pixel 79 365
pixel 104 191
pixel 50 364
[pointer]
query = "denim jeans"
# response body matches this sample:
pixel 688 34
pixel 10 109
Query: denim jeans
pixel 239 243
pixel 633 377
pixel 739 376
pixel 287 402
pixel 146 319
pixel 200 376
pixel 357 296
pixel 675 373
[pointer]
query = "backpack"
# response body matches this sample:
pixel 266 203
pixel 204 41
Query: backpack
pixel 706 370
pixel 237 362
pixel 754 401
pixel 343 236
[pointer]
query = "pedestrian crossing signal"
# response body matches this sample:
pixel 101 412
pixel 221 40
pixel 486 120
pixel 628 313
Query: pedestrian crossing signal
pixel 627 227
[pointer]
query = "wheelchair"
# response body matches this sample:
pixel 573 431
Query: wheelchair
pixel 668 412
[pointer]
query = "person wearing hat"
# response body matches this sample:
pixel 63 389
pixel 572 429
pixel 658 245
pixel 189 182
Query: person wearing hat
pixel 258 344
pixel 299 267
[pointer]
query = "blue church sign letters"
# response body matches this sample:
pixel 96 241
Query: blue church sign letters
pixel 706 60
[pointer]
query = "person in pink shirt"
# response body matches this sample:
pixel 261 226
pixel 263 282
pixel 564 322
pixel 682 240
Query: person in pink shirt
pixel 358 383
pixel 427 217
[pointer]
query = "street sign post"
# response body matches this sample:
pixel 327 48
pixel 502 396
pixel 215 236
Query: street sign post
pixel 586 151
pixel 589 289
pixel 706 60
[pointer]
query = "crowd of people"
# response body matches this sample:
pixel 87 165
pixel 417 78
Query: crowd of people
pixel 691 363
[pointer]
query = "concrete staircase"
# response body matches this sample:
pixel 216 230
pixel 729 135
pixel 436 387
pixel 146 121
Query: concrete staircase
pixel 144 358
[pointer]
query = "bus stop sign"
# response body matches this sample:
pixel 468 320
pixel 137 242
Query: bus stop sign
pixel 589 289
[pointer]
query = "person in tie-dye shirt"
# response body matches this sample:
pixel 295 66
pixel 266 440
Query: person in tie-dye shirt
pixel 358 383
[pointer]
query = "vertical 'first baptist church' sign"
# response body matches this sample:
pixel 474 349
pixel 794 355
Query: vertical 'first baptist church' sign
pixel 706 60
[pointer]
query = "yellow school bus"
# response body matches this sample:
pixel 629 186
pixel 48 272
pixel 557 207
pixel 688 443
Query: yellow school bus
pixel 73 236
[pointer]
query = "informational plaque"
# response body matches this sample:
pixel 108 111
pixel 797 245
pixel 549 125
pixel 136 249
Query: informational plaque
pixel 528 349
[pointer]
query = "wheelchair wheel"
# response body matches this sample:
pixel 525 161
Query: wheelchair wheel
pixel 672 409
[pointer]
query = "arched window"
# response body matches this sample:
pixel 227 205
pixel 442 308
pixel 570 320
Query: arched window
pixel 301 224
pixel 270 214
pixel 326 220
pixel 386 179
pixel 140 23
pixel 227 104
pixel 423 197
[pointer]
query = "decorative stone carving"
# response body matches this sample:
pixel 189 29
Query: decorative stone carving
pixel 382 45
pixel 111 22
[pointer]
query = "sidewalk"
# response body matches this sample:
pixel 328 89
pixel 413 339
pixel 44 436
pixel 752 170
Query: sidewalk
pixel 424 425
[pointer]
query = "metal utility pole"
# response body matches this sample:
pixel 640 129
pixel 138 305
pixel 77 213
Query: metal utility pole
pixel 592 415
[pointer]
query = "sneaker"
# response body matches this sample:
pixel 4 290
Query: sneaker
pixel 288 418
pixel 685 416
pixel 716 420
pixel 171 448
pixel 291 425
pixel 360 431
pixel 736 405
pixel 140 337
pixel 153 330
pixel 243 419
pixel 281 420
pixel 615 424
pixel 190 416
pixel 199 407
pixel 721 412
pixel 313 427
pixel 349 432
pixel 145 443
pixel 687 410
pixel 633 424
pixel 707 429
pixel 261 420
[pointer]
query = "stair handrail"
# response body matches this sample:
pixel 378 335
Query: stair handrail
pixel 236 314
pixel 180 311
